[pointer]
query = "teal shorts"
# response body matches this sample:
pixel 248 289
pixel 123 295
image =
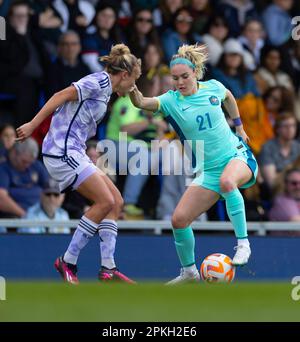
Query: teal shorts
pixel 210 179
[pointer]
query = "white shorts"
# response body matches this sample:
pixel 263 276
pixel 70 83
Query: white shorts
pixel 69 171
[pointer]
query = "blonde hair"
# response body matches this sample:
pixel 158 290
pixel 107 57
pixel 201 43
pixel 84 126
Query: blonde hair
pixel 121 59
pixel 197 54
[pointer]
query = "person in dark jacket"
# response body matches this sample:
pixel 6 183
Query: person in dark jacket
pixel 68 66
pixel 22 62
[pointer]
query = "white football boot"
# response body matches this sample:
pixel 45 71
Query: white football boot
pixel 186 276
pixel 242 255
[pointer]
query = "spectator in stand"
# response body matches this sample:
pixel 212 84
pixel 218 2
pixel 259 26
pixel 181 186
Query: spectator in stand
pixel 22 178
pixel 278 153
pixel 7 136
pixel 286 205
pixel 181 33
pixel 49 208
pixel 156 75
pixel 278 100
pixel 270 74
pixel 47 21
pixel 201 12
pixel 7 140
pixel 278 22
pixel 23 61
pixel 162 16
pixel 239 80
pixel 252 42
pixel 217 32
pixel 236 13
pixel 77 15
pixel 138 125
pixel 68 66
pixel 101 36
pixel 142 32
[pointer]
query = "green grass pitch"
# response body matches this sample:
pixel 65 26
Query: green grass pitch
pixel 53 301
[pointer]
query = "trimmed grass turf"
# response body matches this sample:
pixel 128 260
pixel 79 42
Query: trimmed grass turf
pixel 42 301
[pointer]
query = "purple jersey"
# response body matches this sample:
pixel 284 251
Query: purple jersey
pixel 75 122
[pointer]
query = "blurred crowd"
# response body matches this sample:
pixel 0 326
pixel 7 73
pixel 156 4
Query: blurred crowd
pixel 254 50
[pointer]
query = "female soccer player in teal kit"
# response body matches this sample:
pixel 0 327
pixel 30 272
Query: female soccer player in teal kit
pixel 194 110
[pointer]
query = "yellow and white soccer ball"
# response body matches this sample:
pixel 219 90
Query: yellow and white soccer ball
pixel 217 268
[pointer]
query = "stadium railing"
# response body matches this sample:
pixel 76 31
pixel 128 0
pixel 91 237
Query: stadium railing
pixel 157 227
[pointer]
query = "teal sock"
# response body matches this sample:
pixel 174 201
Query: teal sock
pixel 236 211
pixel 185 245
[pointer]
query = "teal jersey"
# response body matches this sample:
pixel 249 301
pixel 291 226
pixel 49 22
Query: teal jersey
pixel 199 117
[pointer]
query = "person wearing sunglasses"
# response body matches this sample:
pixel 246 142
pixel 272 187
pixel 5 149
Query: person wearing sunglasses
pixel 181 33
pixel 49 208
pixel 142 32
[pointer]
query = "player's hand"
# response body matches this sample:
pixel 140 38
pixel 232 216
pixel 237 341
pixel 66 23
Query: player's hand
pixel 240 132
pixel 135 96
pixel 24 131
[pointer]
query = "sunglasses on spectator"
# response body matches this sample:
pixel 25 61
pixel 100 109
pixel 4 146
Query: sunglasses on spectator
pixel 144 20
pixel 293 182
pixel 184 19
pixel 49 194
pixel 274 98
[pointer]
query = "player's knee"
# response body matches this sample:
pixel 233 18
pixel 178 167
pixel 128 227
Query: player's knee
pixel 106 204
pixel 227 184
pixel 179 220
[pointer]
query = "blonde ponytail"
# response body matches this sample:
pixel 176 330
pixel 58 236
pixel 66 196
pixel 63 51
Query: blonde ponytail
pixel 196 54
pixel 121 59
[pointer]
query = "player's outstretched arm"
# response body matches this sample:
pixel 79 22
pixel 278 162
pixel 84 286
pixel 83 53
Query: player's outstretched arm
pixel 233 111
pixel 146 103
pixel 59 98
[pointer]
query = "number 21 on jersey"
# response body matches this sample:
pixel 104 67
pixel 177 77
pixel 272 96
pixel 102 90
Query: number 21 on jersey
pixel 204 121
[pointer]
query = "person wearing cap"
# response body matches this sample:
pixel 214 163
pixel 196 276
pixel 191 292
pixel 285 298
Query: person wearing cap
pixel 49 208
pixel 222 165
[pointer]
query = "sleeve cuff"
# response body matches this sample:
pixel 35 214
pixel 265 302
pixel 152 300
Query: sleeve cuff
pixel 79 93
pixel 158 111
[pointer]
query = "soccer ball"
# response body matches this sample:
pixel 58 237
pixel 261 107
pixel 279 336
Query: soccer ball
pixel 217 268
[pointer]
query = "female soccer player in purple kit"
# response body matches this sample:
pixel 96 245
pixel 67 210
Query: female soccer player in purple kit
pixel 77 111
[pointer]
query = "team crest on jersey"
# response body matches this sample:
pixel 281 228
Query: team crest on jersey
pixel 214 100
